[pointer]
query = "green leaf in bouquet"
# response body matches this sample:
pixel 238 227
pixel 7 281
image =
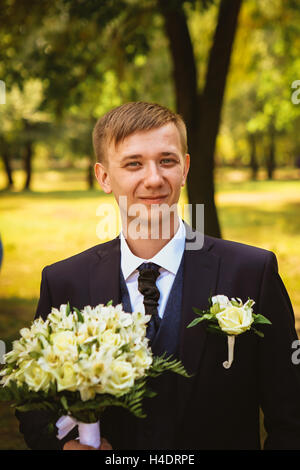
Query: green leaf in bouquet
pixel 86 348
pixel 5 394
pixel 235 303
pixel 34 354
pixel 132 401
pixel 68 309
pixel 9 367
pixel 64 403
pixel 38 405
pixel 79 315
pixel 150 393
pixel 124 348
pixel 14 390
pixel 110 302
pixel 90 410
pixel 40 343
pixel 163 364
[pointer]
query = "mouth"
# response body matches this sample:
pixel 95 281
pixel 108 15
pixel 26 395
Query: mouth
pixel 153 199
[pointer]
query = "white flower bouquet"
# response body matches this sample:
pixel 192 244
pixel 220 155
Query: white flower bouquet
pixel 78 362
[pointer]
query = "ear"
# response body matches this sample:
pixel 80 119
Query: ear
pixel 186 168
pixel 102 177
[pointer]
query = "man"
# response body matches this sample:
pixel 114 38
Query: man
pixel 142 154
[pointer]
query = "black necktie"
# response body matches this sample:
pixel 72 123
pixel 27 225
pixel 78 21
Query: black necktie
pixel 148 273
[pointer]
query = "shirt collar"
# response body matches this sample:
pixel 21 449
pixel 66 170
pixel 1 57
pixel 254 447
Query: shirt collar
pixel 168 257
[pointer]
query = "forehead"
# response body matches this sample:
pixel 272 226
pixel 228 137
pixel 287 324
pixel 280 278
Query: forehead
pixel 160 139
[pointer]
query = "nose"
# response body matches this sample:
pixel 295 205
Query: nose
pixel 153 176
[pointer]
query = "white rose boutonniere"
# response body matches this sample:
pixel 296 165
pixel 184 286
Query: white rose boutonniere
pixel 230 317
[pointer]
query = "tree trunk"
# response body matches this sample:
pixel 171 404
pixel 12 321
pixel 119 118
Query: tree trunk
pixel 271 163
pixel 202 113
pixel 8 169
pixel 90 174
pixel 253 157
pixel 28 153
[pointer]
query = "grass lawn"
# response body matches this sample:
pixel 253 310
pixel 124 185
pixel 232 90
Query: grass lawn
pixel 59 218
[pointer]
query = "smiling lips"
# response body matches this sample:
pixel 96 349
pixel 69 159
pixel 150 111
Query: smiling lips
pixel 153 199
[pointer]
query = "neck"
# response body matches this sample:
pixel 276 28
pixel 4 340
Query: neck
pixel 147 246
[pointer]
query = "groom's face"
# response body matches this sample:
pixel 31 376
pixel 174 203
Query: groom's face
pixel 147 167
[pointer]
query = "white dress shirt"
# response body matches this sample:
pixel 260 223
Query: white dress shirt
pixel 169 258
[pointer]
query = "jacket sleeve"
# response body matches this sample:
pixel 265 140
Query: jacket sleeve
pixel 279 374
pixel 34 424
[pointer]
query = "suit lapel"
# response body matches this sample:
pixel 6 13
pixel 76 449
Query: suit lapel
pixel 104 274
pixel 201 268
pixel 200 278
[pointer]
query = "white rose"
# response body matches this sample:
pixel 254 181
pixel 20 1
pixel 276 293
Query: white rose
pixel 142 359
pixel 121 379
pixel 66 377
pixel 109 338
pixel 235 320
pixel 63 340
pixel 35 377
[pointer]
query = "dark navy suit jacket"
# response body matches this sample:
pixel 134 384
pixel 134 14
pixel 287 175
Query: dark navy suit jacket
pixel 216 408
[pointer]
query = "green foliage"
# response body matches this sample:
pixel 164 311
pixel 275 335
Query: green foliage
pixel 163 363
pixel 265 62
pixel 79 315
pixel 261 319
pixel 65 402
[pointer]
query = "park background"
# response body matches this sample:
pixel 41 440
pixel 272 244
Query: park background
pixel 230 68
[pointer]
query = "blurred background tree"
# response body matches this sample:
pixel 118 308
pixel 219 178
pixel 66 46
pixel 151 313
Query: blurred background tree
pixel 259 113
pixel 89 56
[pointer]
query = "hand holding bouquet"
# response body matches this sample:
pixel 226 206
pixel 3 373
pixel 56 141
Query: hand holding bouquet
pixel 78 362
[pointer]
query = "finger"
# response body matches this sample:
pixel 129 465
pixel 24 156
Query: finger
pixel 75 445
pixel 105 445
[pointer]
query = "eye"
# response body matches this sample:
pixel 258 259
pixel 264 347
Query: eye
pixel 133 164
pixel 168 161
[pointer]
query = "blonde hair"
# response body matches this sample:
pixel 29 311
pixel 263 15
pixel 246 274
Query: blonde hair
pixel 133 117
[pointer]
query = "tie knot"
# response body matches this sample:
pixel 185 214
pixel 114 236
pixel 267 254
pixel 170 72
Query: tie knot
pixel 147 266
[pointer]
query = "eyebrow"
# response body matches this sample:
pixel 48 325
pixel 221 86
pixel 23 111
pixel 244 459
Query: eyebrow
pixel 138 155
pixel 131 157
